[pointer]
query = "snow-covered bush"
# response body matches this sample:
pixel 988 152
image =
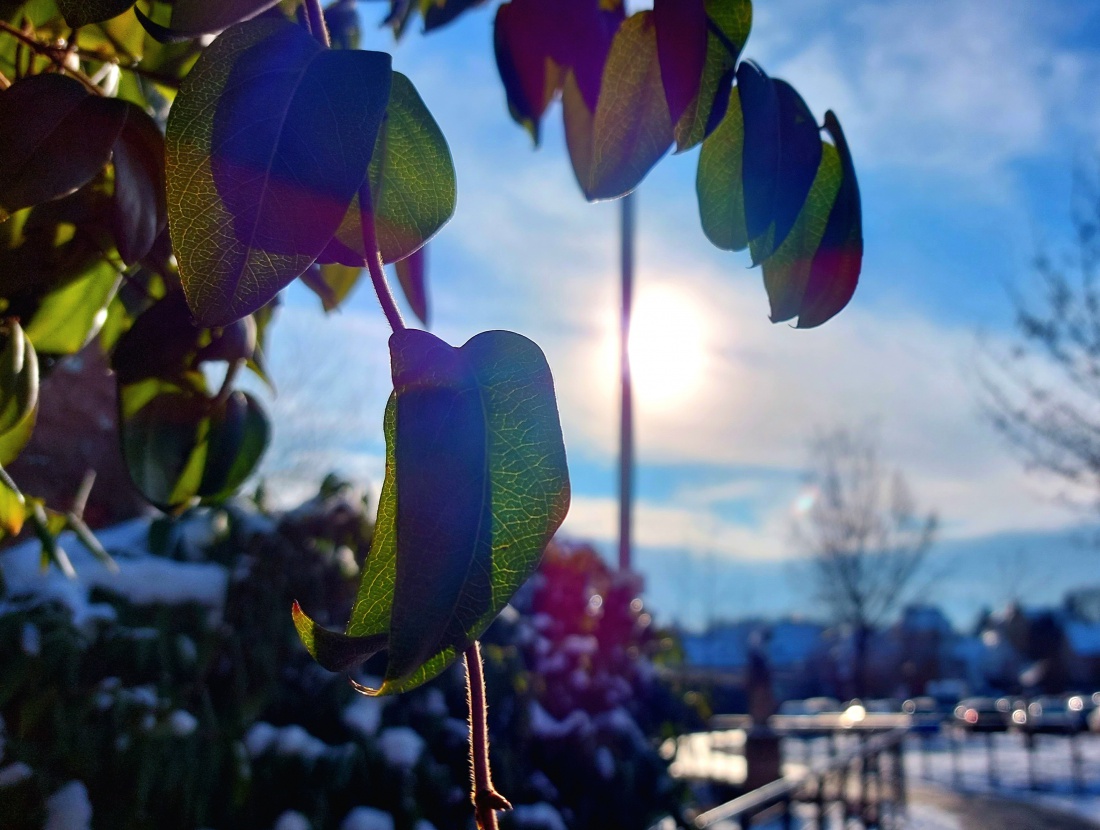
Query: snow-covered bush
pixel 174 694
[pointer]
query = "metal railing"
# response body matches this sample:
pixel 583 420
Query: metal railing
pixel 865 783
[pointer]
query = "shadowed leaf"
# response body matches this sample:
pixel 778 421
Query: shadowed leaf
pixel 13 441
pixel 682 49
pixel 839 258
pixel 238 437
pixel 475 486
pixel 412 183
pixel 268 140
pixel 82 12
pixel 578 129
pixel 54 138
pixel 631 128
pixel 760 156
pixel 18 378
pixel 334 651
pixel 140 211
pixel 202 16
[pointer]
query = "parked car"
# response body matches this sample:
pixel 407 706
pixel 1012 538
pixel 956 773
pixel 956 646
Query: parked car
pixel 980 714
pixel 1049 714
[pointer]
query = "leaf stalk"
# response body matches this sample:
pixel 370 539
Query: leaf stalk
pixel 485 798
pixel 374 260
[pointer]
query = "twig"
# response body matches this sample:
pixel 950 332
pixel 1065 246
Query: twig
pixel 227 384
pixel 56 55
pixel 486 799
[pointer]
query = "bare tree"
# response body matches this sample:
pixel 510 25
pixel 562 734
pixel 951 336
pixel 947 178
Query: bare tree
pixel 863 535
pixel 1041 390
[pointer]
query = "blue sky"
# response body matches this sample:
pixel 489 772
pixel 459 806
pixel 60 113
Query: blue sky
pixel 966 119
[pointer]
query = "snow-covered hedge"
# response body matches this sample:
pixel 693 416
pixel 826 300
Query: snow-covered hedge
pixel 174 693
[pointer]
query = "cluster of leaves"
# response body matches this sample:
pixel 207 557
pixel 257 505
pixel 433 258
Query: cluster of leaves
pixel 632 88
pixel 159 188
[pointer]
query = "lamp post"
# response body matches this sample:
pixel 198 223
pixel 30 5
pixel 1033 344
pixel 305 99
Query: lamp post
pixel 626 398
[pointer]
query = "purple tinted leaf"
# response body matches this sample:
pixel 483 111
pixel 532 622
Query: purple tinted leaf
pixel 412 273
pixel 140 212
pixel 839 259
pixel 54 138
pixel 268 140
pixel 682 49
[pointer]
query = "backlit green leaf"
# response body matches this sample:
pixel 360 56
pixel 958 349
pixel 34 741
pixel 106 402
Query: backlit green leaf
pixel 728 25
pixel 475 486
pixel 631 129
pixel 72 315
pixel 13 511
pixel 270 137
pixel 718 182
pixel 412 183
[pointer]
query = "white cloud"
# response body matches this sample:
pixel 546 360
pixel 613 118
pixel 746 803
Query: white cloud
pixel 966 87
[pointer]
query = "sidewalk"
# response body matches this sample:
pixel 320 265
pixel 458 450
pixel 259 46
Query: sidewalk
pixel 940 809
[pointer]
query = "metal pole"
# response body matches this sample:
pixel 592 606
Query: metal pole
pixel 626 402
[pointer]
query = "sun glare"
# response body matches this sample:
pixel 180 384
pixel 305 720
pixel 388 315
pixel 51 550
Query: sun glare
pixel 667 348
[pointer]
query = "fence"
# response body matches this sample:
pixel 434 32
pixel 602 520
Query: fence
pixel 865 783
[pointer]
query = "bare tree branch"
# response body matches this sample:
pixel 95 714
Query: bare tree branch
pixel 863 534
pixel 1041 390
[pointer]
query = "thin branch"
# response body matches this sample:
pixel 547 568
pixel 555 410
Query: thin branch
pixel 486 799
pixel 56 54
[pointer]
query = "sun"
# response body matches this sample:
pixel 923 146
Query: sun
pixel 668 348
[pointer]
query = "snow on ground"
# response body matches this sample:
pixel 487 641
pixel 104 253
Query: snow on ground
pixel 367 818
pixel 1059 772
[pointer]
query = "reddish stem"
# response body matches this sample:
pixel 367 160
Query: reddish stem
pixel 486 799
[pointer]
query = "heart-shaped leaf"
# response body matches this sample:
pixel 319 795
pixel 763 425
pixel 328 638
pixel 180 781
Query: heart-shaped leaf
pixel 718 182
pixel 54 138
pixel 787 270
pixel 476 484
pixel 412 184
pixel 164 430
pixel 180 446
pixel 82 12
pixel 267 142
pixel 631 128
pixel 839 257
pixel 238 438
pixel 682 49
pixel 140 211
pixel 728 25
pixel 412 274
